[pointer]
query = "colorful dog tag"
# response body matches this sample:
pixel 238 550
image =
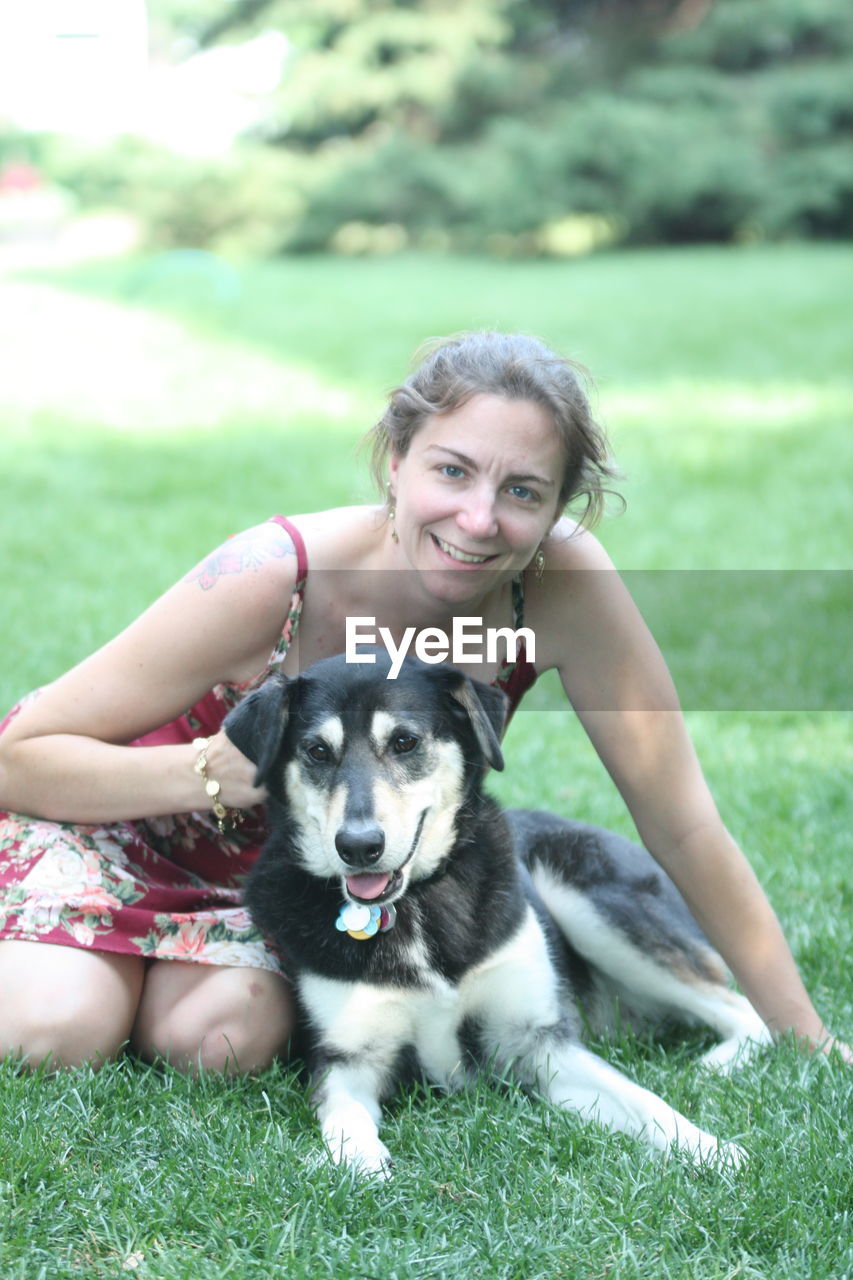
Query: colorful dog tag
pixel 362 921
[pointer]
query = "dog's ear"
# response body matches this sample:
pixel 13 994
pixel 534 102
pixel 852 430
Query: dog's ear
pixel 256 725
pixel 486 708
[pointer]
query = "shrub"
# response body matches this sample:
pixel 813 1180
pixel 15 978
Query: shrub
pixel 243 203
pixel 811 103
pixel 745 35
pixel 811 194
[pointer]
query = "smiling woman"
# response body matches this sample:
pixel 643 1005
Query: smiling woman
pixel 109 851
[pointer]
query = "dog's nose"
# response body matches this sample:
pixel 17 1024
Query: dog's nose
pixel 360 844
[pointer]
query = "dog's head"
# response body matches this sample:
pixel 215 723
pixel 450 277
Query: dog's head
pixel 372 771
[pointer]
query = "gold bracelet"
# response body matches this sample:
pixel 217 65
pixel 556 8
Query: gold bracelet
pixel 213 788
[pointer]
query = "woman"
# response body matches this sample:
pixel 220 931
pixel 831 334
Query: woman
pixel 117 923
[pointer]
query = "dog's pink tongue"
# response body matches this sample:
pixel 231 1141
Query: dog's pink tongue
pixel 369 885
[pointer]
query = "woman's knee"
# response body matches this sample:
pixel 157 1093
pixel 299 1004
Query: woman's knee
pixel 64 1006
pixel 215 1018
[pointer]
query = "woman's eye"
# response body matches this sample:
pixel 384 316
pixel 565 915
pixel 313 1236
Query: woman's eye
pixel 521 491
pixel 403 743
pixel 320 752
pixel 450 470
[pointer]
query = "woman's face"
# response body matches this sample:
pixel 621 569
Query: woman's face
pixel 477 492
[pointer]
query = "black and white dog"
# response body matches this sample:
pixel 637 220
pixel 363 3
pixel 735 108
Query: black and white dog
pixel 423 928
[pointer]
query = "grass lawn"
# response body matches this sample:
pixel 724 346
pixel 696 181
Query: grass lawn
pixel 151 407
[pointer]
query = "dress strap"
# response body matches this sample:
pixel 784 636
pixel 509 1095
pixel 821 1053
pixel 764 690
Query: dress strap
pixel 518 601
pixel 299 546
pixel 517 675
pixel 297 600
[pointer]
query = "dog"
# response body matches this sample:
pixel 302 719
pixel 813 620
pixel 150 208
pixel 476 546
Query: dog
pixel 425 930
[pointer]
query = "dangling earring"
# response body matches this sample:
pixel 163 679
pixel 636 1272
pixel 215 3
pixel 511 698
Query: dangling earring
pixel 539 564
pixel 392 511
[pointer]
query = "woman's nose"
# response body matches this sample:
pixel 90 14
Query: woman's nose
pixel 477 517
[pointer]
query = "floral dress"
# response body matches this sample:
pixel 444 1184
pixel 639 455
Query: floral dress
pixel 167 888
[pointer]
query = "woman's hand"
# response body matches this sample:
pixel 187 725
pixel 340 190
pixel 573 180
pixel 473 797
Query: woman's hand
pixel 234 772
pixel 831 1045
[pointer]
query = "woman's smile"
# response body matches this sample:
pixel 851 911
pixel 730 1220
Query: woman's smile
pixel 460 556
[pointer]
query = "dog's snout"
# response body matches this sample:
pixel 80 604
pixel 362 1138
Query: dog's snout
pixel 360 844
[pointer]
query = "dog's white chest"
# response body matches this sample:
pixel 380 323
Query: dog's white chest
pixel 436 1038
pixel 376 1023
pixel 360 1019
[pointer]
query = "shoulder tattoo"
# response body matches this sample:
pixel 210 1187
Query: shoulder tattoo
pixel 242 551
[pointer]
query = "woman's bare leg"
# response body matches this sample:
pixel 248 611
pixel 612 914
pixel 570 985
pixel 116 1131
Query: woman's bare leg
pixel 215 1017
pixel 66 1004
pixel 74 1006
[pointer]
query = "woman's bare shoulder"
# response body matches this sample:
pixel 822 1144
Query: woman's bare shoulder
pixel 575 602
pixel 262 561
pixel 570 545
pixel 263 546
pixel 342 537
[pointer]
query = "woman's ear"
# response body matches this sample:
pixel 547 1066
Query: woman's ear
pixel 393 468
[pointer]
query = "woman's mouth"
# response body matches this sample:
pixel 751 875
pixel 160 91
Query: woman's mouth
pixel 457 554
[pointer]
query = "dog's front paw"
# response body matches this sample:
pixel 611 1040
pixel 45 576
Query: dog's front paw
pixel 368 1160
pixel 706 1150
pixel 731 1155
pixel 721 1155
pixel 351 1132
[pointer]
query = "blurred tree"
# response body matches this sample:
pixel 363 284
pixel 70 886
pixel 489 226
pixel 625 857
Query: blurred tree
pixel 436 67
pixel 507 123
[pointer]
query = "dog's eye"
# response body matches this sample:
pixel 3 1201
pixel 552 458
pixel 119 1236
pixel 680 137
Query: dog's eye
pixel 403 743
pixel 320 752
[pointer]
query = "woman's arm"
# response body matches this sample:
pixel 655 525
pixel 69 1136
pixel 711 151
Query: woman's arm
pixel 65 756
pixel 619 685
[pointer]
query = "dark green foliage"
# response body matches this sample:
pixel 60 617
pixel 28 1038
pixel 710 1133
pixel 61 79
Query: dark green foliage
pixel 810 104
pixel 813 193
pixel 748 35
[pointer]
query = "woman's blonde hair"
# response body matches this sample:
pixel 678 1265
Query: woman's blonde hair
pixel 449 371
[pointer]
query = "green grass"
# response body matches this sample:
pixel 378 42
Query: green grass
pixel 151 407
pixel 144 1171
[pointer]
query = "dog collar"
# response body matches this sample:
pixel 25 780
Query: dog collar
pixel 362 921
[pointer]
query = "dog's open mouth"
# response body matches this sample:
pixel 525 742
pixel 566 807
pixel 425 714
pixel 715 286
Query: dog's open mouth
pixel 381 886
pixel 373 886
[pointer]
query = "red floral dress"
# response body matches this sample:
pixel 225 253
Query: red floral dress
pixel 167 888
